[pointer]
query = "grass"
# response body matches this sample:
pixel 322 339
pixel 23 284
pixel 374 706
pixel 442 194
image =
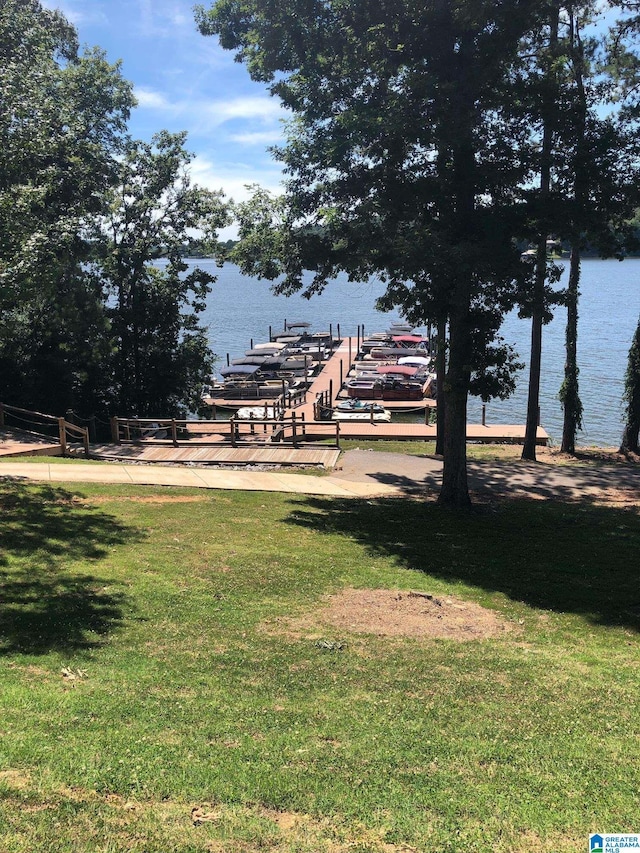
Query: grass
pixel 146 672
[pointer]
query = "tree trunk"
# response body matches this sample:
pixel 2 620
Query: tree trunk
pixel 631 433
pixel 569 392
pixel 455 489
pixel 440 380
pixel 538 301
pixel 533 399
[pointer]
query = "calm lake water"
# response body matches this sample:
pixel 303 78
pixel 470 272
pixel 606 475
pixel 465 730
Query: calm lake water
pixel 240 308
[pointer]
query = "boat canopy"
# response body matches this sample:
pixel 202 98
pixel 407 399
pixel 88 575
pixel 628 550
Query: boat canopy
pixel 272 345
pixel 300 325
pixel 415 360
pixel 408 339
pixel 264 350
pixel 249 359
pixel 240 370
pixel 398 369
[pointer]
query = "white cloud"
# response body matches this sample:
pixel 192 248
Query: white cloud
pixel 250 107
pixel 150 99
pixel 261 138
pixel 234 178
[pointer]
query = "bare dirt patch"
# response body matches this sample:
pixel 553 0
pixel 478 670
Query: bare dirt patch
pixel 147 499
pixel 392 613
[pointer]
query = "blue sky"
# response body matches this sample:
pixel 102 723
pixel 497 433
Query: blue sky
pixel 184 81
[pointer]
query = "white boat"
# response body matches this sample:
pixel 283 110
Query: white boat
pixel 264 413
pixel 359 410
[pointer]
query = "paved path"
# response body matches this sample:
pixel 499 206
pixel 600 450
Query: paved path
pixel 361 473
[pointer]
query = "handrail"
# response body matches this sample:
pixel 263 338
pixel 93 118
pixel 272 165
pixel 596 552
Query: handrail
pixel 65 428
pixel 234 430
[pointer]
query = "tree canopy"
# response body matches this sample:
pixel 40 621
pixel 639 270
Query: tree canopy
pixel 84 213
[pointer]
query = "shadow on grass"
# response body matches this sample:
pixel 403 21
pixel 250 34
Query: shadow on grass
pixel 43 605
pixel 575 558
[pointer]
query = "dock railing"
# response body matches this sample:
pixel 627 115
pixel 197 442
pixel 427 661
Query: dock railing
pixel 49 426
pixel 294 429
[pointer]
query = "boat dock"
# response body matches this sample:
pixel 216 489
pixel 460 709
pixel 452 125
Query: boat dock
pixel 329 382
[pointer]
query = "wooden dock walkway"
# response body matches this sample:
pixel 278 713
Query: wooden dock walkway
pixel 270 454
pixel 22 443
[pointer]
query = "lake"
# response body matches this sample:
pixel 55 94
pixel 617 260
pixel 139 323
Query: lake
pixel 240 308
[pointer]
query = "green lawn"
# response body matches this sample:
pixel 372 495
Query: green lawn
pixel 186 688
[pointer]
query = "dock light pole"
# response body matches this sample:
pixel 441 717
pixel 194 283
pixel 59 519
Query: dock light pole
pixel 350 360
pixel 341 378
pixel 338 328
pixel 358 340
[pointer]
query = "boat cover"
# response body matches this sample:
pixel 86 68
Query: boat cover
pixel 399 369
pixel 408 339
pixel 416 360
pixel 240 370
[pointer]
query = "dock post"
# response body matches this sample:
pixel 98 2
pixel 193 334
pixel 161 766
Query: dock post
pixel 85 441
pixel 358 338
pixel 294 436
pixel 350 359
pixel 232 427
pixel 304 427
pixel 1 415
pixel 371 414
pixel 341 376
pixel 228 362
pixel 338 434
pixel 174 432
pixel 115 432
pixel 251 342
pixel 252 425
pixel 338 328
pixel 484 415
pixel 62 431
pixel 330 392
pixel 270 335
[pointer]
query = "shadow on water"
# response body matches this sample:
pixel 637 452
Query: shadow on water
pixel 44 605
pixel 568 557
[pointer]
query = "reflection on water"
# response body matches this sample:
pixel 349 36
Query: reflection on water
pixel 240 308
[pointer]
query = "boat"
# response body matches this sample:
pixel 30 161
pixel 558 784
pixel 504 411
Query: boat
pixel 359 410
pixel 247 413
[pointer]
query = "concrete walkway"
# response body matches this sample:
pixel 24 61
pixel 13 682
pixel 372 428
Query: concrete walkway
pixel 361 474
pixel 200 478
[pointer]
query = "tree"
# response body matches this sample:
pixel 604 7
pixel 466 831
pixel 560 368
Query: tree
pixel 161 355
pixel 402 160
pixel 61 124
pixel 632 397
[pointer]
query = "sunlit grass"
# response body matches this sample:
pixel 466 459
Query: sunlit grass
pixel 146 671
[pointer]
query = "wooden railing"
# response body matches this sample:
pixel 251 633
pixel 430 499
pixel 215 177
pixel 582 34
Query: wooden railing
pixel 25 418
pixel 235 431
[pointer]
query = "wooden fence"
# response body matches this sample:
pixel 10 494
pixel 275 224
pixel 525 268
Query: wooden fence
pixel 25 420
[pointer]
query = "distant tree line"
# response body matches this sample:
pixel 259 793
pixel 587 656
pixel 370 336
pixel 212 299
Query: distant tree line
pixel 88 321
pixel 429 141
